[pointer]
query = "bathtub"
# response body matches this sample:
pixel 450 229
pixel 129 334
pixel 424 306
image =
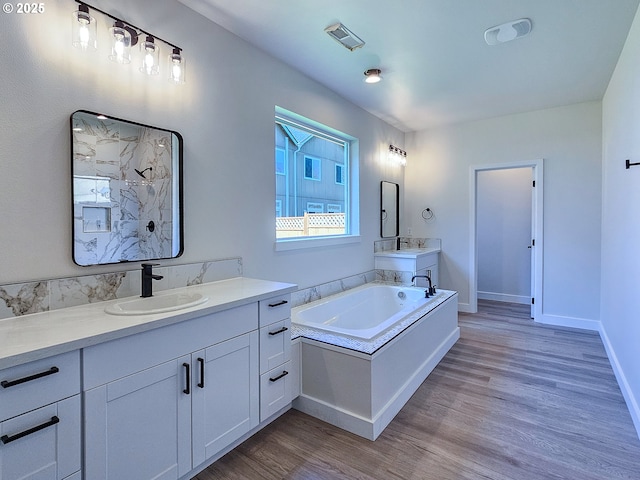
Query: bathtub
pixel 364 352
pixel 363 312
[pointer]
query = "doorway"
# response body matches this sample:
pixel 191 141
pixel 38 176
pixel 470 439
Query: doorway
pixel 506 256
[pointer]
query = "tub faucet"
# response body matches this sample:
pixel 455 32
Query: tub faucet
pixel 429 291
pixel 147 278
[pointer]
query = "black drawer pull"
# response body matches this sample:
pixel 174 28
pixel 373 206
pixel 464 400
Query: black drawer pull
pixel 188 375
pixel 7 384
pixel 283 302
pixel 201 362
pixel 282 330
pixel 283 374
pixel 10 438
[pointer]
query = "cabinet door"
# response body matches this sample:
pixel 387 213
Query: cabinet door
pixel 43 444
pixel 139 427
pixel 225 394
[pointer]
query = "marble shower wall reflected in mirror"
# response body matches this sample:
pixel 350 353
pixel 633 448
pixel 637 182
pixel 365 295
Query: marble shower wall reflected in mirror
pixel 127 190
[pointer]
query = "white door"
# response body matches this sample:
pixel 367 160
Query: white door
pixel 504 233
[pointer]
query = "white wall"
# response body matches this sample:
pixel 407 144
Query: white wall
pixel 503 234
pixel 569 140
pixel 621 222
pixel 225 113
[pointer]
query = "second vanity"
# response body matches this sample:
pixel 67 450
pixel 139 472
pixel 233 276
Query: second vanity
pixel 410 262
pixel 159 395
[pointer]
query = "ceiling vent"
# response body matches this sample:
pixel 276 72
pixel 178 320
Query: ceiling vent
pixel 507 31
pixel 346 37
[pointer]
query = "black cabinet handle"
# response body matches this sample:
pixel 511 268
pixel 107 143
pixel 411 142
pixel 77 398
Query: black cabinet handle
pixel 283 302
pixel 201 362
pixel 188 375
pixel 10 438
pixel 11 383
pixel 283 374
pixel 282 330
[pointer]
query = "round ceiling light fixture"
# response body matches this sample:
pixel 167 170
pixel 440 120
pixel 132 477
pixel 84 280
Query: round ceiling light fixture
pixel 373 75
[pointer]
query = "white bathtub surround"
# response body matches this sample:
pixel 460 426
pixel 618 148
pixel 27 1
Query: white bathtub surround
pixel 41 296
pixel 361 384
pixel 311 294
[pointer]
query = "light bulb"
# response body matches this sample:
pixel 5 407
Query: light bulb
pixel 150 61
pixel 84 29
pixel 121 42
pixel 178 65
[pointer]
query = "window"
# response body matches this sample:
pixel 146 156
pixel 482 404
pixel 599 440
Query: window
pixel 280 162
pixel 309 204
pixel 312 168
pixel 339 174
pixel 315 207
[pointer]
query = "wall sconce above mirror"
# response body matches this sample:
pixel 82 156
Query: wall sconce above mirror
pixel 126 176
pixel 389 209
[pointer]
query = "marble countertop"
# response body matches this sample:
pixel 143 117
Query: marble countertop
pixel 40 335
pixel 407 252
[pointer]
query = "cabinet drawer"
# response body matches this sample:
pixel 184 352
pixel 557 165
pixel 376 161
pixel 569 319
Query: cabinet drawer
pixel 275 309
pixel 275 345
pixel 112 360
pixel 275 390
pixel 44 443
pixel 34 384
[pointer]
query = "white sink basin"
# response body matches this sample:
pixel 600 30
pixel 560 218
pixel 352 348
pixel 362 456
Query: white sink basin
pixel 156 304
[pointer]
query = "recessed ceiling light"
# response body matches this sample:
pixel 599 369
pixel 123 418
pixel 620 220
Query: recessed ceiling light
pixel 344 36
pixel 373 75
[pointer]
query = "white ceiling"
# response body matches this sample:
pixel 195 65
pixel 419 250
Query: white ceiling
pixel 436 66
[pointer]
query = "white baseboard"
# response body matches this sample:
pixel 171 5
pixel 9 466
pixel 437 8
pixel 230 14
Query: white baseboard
pixel 572 322
pixel 505 297
pixel 465 308
pixel 627 393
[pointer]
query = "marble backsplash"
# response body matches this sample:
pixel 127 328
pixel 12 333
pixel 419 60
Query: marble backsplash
pixel 406 242
pixel 396 276
pixel 40 296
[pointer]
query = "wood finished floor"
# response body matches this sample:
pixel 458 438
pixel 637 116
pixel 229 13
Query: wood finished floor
pixel 511 400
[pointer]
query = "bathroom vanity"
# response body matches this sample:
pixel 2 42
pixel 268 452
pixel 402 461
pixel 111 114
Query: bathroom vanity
pixel 165 394
pixel 410 262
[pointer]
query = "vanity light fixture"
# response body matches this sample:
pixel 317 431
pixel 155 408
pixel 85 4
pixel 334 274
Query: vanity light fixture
pixel 151 56
pixel 397 155
pixel 373 75
pixel 121 42
pixel 125 35
pixel 84 30
pixel 177 66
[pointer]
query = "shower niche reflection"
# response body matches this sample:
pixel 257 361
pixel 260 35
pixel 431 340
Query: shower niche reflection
pixel 127 190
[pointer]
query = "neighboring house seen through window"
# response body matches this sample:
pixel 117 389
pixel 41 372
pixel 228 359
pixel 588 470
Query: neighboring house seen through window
pixel 308 203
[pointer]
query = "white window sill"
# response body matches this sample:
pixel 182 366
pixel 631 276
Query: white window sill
pixel 300 243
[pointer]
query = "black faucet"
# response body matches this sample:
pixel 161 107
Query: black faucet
pixel 432 288
pixel 147 278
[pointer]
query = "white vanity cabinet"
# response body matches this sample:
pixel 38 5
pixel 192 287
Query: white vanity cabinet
pixel 160 403
pixel 276 378
pixel 418 261
pixel 40 419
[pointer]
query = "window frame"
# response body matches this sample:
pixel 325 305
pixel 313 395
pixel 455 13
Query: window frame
pixel 350 175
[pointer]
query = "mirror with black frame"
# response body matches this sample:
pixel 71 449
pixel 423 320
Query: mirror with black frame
pixel 127 190
pixel 389 209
